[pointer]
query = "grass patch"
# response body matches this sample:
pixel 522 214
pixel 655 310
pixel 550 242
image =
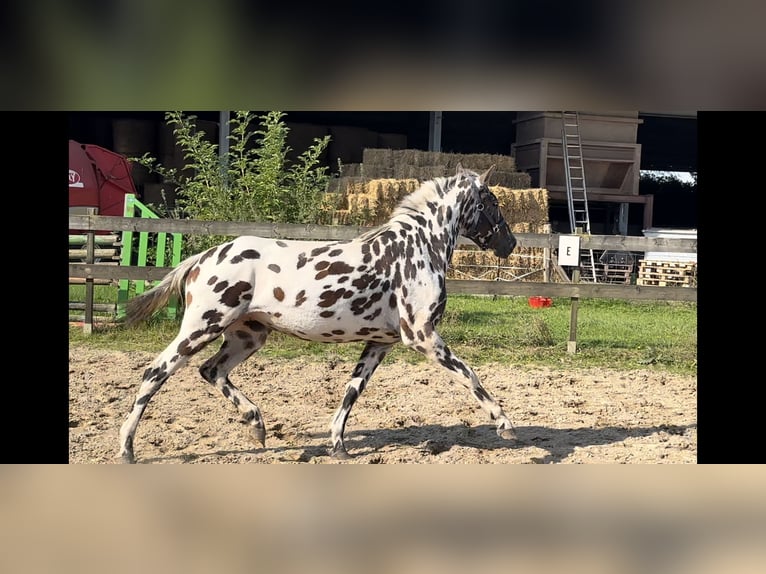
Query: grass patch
pixel 506 330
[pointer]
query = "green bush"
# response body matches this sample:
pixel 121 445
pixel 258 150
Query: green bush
pixel 254 181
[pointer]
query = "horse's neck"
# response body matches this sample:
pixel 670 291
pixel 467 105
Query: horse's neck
pixel 444 229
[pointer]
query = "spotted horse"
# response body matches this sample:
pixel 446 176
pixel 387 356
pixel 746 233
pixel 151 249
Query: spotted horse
pixel 384 287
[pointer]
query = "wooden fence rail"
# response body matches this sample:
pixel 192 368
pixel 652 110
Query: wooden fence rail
pixel 318 232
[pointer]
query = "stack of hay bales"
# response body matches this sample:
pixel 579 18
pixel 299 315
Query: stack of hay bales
pixel 367 193
pixel 423 165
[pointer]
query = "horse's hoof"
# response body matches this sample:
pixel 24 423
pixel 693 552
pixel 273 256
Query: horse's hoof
pixel 340 454
pixel 126 458
pixel 507 434
pixel 258 434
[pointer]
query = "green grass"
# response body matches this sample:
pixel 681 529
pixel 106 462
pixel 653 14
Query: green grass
pixel 101 293
pixel 506 330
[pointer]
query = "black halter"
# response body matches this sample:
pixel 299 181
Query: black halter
pixel 494 226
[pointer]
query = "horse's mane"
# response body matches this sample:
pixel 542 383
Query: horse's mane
pixel 416 201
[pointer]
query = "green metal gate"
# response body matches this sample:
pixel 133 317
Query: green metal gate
pixel 137 255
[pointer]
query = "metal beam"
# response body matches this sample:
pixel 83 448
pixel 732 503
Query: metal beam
pixel 434 131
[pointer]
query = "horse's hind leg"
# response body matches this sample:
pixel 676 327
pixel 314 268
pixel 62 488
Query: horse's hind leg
pixel 197 330
pixel 241 340
pixel 169 361
pixel 371 357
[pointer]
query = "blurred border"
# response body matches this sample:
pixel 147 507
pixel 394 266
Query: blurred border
pixel 383 519
pixel 232 54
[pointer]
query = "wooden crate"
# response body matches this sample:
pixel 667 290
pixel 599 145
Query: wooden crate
pixel 607 273
pixel 667 273
pixel 615 272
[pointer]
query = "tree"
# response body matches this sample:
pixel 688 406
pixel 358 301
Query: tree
pixel 253 181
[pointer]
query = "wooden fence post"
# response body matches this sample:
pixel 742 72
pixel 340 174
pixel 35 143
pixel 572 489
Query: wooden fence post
pixel 90 249
pixel 572 343
pixel 547 256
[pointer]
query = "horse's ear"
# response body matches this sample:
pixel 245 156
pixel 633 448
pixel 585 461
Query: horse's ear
pixel 459 169
pixel 484 177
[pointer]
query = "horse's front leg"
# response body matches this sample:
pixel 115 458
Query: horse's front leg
pixel 424 339
pixel 369 360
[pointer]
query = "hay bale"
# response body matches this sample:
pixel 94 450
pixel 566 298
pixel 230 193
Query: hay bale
pixel 372 202
pixel 418 158
pixel 350 170
pixel 405 157
pixel 377 163
pixel 341 217
pixel 522 205
pixel 479 161
pixel 345 185
pixel 419 172
pixel 473 264
pixel 511 179
pixel 375 157
pixel 525 264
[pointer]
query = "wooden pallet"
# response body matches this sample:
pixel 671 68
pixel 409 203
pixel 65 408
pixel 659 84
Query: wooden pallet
pixel 617 273
pixel 667 273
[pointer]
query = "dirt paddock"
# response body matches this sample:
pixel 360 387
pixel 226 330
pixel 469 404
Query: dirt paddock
pixel 407 414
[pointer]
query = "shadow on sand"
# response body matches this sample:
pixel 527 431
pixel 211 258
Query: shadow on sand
pixel 560 443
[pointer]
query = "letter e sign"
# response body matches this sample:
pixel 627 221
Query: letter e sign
pixel 569 250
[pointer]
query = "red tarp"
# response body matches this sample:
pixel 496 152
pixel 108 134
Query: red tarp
pixel 98 178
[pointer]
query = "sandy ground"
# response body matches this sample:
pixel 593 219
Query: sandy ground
pixel 407 414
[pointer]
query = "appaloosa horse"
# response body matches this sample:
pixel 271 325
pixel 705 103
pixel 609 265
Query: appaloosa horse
pixel 384 287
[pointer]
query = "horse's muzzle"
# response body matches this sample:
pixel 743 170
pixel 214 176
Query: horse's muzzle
pixel 503 242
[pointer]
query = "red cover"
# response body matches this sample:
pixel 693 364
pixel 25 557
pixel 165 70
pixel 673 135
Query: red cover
pixel 98 178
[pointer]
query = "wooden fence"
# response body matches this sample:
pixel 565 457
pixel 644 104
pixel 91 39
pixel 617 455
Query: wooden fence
pixel 90 272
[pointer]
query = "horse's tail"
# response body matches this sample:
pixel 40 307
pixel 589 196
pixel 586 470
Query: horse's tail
pixel 143 306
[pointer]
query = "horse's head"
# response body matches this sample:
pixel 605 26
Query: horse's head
pixel 484 223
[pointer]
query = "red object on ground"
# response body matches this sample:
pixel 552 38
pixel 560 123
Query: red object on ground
pixel 98 178
pixel 539 302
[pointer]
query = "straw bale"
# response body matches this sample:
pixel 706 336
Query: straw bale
pixel 472 264
pixel 479 161
pixel 419 172
pixel 406 157
pixel 372 202
pixel 378 157
pixel 512 179
pixel 403 162
pixel 346 185
pixel 377 163
pixel 341 217
pixel 418 158
pixel 350 170
pixel 524 265
pixel 522 205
